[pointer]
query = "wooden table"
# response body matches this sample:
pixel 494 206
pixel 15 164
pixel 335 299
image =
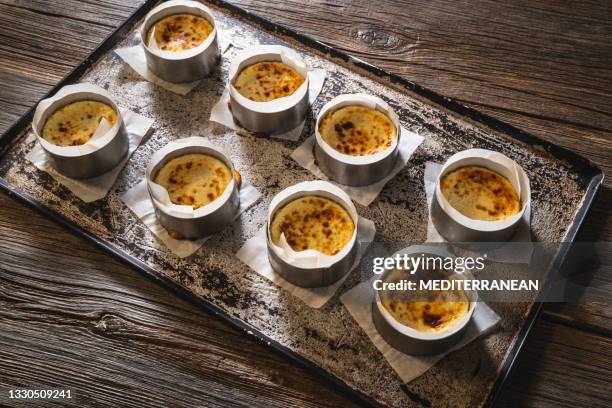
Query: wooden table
pixel 87 322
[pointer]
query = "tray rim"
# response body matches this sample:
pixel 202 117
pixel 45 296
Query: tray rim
pixel 586 167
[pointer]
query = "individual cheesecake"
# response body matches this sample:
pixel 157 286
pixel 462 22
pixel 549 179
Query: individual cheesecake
pixel 266 81
pixel 480 193
pixel 194 179
pixel 179 32
pixel 424 310
pixel 313 222
pixel 357 130
pixel 74 124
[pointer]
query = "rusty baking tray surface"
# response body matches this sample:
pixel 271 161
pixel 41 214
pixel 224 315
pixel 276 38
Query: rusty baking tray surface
pixel 327 341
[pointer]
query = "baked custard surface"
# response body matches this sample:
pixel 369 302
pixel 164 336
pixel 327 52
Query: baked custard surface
pixel 424 310
pixel 357 130
pixel 179 32
pixel 74 124
pixel 480 193
pixel 266 81
pixel 194 179
pixel 313 222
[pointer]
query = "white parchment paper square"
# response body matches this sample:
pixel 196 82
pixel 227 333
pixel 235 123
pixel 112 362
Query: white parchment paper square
pixel 138 200
pixel 254 253
pixel 364 195
pixel 96 188
pixel 358 301
pixel 135 57
pixel 516 251
pixel 221 113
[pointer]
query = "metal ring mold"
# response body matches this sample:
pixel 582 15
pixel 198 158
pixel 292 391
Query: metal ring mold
pixel 312 268
pixel 409 340
pixel 356 170
pixel 456 227
pixel 182 66
pixel 275 116
pixel 183 219
pixel 101 153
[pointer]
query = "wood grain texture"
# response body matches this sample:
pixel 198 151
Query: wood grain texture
pixel 553 353
pixel 93 324
pixel 36 55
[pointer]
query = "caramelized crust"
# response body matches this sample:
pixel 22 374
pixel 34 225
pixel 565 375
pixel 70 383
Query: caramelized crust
pixel 75 123
pixel 426 311
pixel 266 81
pixel 313 222
pixel 357 130
pixel 179 32
pixel 194 179
pixel 480 193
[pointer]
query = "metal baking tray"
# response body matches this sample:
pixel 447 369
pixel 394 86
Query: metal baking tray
pixel 328 341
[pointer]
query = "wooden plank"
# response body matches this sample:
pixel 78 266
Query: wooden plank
pixel 589 274
pixel 544 67
pixel 107 13
pixel 552 354
pixel 37 55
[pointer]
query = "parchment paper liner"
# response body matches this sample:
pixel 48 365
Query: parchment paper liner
pixel 456 227
pixel 311 268
pixel 182 66
pixel 276 116
pixel 409 340
pixel 103 151
pixel 356 170
pixel 183 219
